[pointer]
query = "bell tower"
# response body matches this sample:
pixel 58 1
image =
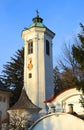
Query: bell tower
pixel 38 67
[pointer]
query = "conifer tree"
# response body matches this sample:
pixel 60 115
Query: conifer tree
pixel 56 80
pixel 12 74
pixel 78 53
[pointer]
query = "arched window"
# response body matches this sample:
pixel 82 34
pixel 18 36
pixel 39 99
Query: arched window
pixel 30 46
pixel 47 47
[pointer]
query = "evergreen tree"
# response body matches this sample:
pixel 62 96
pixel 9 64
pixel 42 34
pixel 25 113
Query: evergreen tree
pixel 56 80
pixel 78 53
pixel 13 74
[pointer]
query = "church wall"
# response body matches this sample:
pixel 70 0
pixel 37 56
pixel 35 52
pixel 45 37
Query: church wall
pixel 70 96
pixel 39 87
pixel 76 105
pixel 36 84
pixel 49 69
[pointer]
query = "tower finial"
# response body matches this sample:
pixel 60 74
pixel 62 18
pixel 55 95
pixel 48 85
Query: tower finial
pixel 37 19
pixel 37 12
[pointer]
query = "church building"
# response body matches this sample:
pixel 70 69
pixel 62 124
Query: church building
pixel 38 66
pixel 38 82
pixel 38 73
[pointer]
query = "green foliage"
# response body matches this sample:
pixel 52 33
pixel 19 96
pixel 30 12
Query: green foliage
pixel 72 65
pixel 78 52
pixel 82 101
pixel 56 80
pixel 13 74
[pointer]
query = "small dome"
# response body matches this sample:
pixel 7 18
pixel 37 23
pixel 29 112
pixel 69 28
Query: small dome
pixel 37 21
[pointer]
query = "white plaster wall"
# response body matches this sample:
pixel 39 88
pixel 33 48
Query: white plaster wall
pixel 40 84
pixel 70 96
pixel 76 105
pixel 58 122
pixel 35 87
pixel 49 68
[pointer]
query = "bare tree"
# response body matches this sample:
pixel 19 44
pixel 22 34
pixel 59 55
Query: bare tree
pixel 68 76
pixel 67 58
pixel 19 121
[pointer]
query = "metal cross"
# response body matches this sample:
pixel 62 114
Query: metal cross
pixel 37 12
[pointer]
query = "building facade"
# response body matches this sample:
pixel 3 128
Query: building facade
pixel 66 101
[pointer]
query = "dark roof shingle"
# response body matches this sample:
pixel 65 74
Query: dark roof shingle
pixel 25 103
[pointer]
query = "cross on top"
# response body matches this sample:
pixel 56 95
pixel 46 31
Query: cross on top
pixel 37 12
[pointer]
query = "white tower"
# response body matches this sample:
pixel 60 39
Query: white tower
pixel 38 67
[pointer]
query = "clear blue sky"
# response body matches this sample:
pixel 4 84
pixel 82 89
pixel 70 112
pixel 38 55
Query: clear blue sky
pixel 61 16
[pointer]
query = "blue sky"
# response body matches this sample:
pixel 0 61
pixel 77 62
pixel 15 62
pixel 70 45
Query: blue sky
pixel 61 16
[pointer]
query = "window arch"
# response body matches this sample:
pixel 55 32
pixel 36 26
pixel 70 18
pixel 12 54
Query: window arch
pixel 30 46
pixel 47 47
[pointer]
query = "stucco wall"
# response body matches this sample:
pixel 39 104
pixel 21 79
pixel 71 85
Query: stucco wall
pixel 58 122
pixel 40 86
pixel 62 101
